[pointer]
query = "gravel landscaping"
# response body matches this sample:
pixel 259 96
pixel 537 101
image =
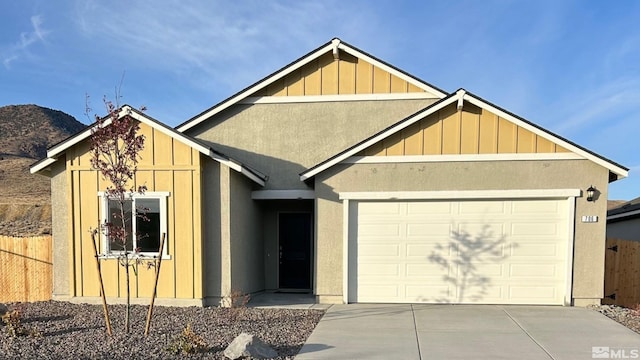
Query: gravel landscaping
pixel 77 331
pixel 625 316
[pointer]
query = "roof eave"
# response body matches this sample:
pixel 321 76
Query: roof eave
pixel 462 95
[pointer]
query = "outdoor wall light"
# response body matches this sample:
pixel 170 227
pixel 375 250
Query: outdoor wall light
pixel 590 192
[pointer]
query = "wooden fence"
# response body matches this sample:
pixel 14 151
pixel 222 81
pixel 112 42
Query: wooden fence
pixel 26 269
pixel 622 273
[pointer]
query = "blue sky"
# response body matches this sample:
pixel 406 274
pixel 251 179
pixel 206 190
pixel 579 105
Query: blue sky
pixel 572 67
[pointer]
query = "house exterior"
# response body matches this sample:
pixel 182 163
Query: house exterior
pixel 623 222
pixel 344 176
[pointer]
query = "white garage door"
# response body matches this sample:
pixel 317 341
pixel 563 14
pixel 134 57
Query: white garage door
pixel 487 252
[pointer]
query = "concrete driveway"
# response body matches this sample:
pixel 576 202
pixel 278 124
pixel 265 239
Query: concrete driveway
pixel 383 331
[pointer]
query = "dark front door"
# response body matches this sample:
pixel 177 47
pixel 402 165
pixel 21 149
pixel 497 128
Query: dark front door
pixel 294 235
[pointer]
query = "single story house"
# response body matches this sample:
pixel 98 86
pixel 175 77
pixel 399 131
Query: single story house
pixel 342 175
pixel 623 222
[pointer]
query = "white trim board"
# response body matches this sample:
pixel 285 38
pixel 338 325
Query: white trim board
pixel 571 237
pixel 336 98
pixel 283 194
pixel 461 194
pixel 458 158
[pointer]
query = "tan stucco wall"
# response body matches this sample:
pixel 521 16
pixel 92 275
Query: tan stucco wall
pixel 588 274
pixel 212 229
pixel 247 264
pixel 626 229
pixel 59 227
pixel 283 140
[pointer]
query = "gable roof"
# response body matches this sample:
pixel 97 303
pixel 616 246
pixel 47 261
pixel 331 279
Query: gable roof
pixel 55 151
pixel 332 46
pixel 629 209
pixel 616 170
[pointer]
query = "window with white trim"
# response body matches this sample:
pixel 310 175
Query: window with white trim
pixel 145 222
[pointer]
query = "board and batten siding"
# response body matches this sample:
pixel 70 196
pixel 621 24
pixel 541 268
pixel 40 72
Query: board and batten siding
pixel 347 75
pixel 166 165
pixel 470 131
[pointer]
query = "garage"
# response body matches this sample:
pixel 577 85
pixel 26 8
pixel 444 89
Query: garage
pixel 482 251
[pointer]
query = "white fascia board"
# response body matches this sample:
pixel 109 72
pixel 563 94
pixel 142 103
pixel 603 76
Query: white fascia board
pixel 256 87
pixel 620 172
pixel 623 215
pixel 42 165
pixel 404 124
pixel 335 98
pixel 172 133
pixel 283 194
pixel 238 167
pixel 459 158
pixel 391 70
pixel 127 110
pixel 462 194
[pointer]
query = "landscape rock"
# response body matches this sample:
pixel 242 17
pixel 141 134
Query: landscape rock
pixel 247 345
pixel 3 310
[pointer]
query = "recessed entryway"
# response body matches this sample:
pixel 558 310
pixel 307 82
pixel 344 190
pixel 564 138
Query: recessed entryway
pixel 295 231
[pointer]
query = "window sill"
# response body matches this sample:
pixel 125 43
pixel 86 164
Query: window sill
pixel 143 256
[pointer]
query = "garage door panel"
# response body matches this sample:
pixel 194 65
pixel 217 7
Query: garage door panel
pixel 378 291
pixel 533 229
pixel 481 207
pixel 379 229
pixel 536 271
pixel 532 207
pixel 487 294
pixel 379 249
pixel 428 208
pixel 427 271
pixel 377 270
pixel 416 251
pixel 435 293
pixel 532 294
pixel 489 251
pixel 550 250
pixel 437 230
pixel 375 208
pixel 493 270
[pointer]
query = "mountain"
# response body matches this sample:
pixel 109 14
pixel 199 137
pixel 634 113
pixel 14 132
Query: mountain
pixel 26 131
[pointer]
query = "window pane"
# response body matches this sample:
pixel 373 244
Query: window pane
pixel 148 224
pixel 115 218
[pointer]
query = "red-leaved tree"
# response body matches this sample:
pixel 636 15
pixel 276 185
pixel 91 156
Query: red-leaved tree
pixel 115 152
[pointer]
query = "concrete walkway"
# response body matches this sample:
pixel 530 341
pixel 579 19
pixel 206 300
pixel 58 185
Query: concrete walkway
pixel 381 331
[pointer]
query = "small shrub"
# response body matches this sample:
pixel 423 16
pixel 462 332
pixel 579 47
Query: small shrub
pixel 14 326
pixel 187 342
pixel 236 299
pixel 237 302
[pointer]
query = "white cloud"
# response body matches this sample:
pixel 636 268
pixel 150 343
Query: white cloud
pixel 26 40
pixel 600 105
pixel 214 42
